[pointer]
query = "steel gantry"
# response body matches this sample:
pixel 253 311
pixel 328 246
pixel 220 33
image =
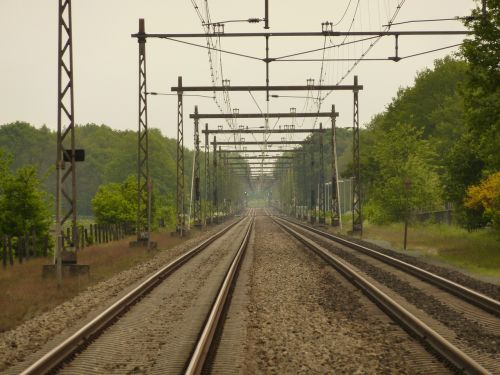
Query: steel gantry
pixel 357 222
pixel 180 192
pixel 144 187
pixel 207 211
pixel 196 180
pixel 262 142
pixel 215 202
pixel 335 201
pixel 262 131
pixel 66 157
pixel 253 151
pixel 325 32
pixel 321 217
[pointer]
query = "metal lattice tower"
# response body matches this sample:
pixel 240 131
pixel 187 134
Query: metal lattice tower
pixel 143 191
pixel 181 218
pixel 312 202
pixel 65 159
pixel 304 186
pixel 197 197
pixel 321 219
pixel 207 176
pixel 215 183
pixel 357 223
pixel 335 191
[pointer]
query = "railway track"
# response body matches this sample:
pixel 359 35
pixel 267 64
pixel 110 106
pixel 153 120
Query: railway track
pixel 454 322
pixel 82 351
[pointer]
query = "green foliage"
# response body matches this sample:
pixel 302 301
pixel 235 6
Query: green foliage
pixel 475 154
pixel 406 181
pixel 23 205
pixel 486 197
pixel 481 92
pixel 112 204
pixel 110 156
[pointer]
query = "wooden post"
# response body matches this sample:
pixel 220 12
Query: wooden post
pixel 34 244
pixel 27 245
pixel 19 252
pixel 68 234
pixel 11 255
pixel 4 251
pixel 46 246
pixel 83 233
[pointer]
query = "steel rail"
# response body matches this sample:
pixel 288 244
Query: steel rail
pixel 58 355
pixel 205 340
pixel 471 296
pixel 408 321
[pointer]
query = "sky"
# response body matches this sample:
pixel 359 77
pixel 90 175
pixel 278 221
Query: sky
pixel 106 57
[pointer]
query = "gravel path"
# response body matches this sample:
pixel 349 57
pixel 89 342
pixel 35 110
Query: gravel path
pixel 43 332
pixel 306 319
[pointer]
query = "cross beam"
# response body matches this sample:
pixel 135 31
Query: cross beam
pixel 262 115
pixel 181 89
pixel 258 157
pixel 323 33
pixel 262 143
pixel 262 131
pixel 255 163
pixel 264 151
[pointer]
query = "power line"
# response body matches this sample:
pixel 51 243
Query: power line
pixel 430 51
pixel 213 48
pixel 345 12
pixel 457 18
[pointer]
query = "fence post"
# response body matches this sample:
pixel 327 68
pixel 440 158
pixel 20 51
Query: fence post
pixel 19 250
pixel 11 255
pixel 68 235
pixel 28 246
pixel 34 243
pixel 81 239
pixel 4 251
pixel 45 249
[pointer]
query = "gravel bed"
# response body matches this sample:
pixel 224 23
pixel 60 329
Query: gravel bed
pixel 468 331
pixel 18 344
pixel 157 335
pixel 304 318
pixel 486 288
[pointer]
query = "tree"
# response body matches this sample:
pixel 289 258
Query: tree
pixel 475 155
pixel 486 197
pixel 407 180
pixel 481 92
pixel 116 203
pixel 24 206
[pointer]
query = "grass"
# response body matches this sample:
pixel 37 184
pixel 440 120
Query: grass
pixel 25 293
pixel 476 252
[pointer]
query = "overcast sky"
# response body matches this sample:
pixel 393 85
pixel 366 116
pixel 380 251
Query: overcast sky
pixel 105 66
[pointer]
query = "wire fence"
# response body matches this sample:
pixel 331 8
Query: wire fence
pixel 19 249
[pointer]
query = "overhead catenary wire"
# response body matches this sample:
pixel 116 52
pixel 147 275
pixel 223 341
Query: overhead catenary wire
pixel 456 18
